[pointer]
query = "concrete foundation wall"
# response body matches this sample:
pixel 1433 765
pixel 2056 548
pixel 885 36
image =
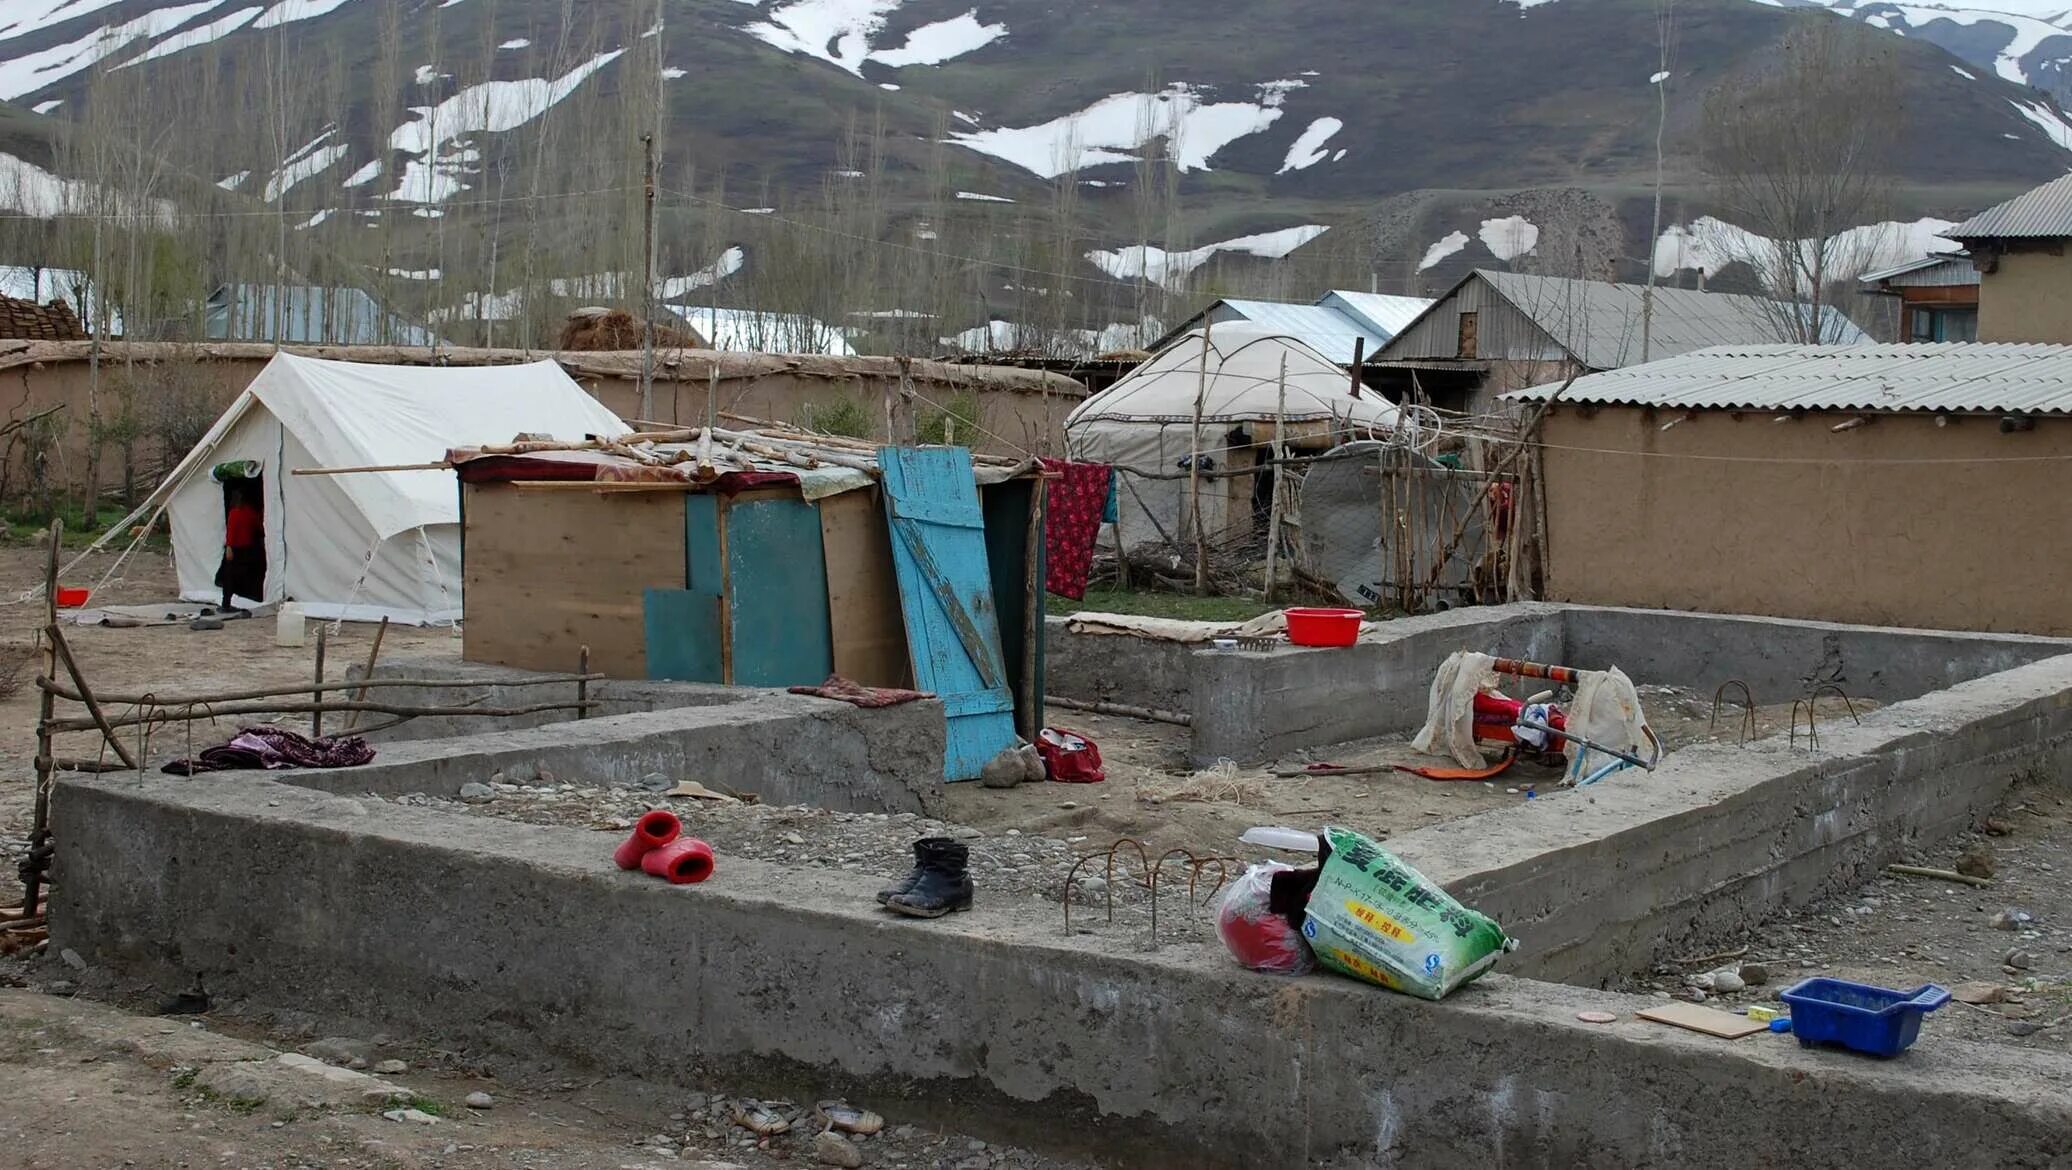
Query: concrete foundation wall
pixel 1604 881
pixel 498 687
pixel 1251 706
pixel 1776 657
pixel 525 939
pixel 786 749
pixel 1109 668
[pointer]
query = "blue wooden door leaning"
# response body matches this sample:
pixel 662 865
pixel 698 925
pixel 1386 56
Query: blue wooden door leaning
pixel 946 596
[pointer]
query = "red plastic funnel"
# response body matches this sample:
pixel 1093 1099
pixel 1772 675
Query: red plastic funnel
pixel 685 862
pixel 656 828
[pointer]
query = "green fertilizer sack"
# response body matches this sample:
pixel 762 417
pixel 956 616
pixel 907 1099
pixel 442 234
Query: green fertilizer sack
pixel 1374 918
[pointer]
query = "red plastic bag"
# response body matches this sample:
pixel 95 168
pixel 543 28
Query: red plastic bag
pixel 1254 935
pixel 1069 757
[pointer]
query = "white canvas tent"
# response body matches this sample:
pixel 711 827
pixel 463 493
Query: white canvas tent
pixel 1145 422
pixel 365 546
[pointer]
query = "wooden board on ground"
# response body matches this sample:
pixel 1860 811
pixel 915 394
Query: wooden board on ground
pixel 863 592
pixel 1710 1021
pixel 548 572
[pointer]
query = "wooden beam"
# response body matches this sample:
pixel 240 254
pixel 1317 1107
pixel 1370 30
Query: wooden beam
pixel 441 465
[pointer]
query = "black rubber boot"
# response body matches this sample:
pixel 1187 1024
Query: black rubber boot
pixel 913 877
pixel 944 885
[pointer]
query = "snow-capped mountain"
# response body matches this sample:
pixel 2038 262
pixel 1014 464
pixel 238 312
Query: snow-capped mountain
pixel 2024 41
pixel 1415 138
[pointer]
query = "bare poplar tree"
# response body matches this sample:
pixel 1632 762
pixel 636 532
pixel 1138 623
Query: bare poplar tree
pixel 1798 153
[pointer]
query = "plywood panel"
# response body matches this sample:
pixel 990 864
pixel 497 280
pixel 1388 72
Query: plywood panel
pixel 870 643
pixel 546 572
pixel 777 594
pixel 683 640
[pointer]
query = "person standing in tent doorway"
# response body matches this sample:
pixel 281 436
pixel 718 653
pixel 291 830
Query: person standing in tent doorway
pixel 243 572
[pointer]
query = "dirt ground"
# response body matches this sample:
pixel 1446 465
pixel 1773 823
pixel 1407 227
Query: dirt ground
pixel 2009 942
pixel 90 1086
pixel 156 659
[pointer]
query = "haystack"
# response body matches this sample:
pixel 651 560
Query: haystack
pixel 599 329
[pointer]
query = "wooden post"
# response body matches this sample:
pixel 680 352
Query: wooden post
pixel 39 822
pixel 1201 539
pixel 583 685
pixel 373 656
pixel 1032 616
pixel 63 653
pixel 1359 359
pixel 316 717
pixel 1280 455
pixel 647 280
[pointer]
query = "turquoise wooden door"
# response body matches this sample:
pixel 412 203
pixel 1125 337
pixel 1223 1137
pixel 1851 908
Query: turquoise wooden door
pixel 946 596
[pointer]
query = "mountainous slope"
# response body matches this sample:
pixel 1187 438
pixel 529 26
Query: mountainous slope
pixel 963 159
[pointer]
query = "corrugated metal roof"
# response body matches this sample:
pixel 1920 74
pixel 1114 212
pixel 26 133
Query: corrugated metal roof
pixel 1963 376
pixel 1601 323
pixel 1327 331
pixel 2044 213
pixel 1927 272
pixel 307 315
pixel 1382 314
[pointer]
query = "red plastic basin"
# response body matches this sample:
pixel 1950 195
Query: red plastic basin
pixel 1324 627
pixel 71 596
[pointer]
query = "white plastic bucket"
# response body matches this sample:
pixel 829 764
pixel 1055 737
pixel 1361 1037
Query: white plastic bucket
pixel 289 628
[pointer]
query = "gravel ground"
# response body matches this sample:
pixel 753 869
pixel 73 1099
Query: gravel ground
pixel 2009 942
pixel 1008 865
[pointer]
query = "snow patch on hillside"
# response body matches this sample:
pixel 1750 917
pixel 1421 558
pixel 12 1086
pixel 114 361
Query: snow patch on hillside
pixel 730 261
pixel 1447 245
pixel 1510 237
pixel 194 38
pixel 1160 267
pixel 290 11
pixel 2048 120
pixel 33 71
pixel 944 40
pixel 31 190
pixel 835 31
pixel 1120 123
pixel 312 160
pixel 364 175
pixel 22 17
pixel 1708 245
pixel 437 135
pixel 978 197
pixel 1308 149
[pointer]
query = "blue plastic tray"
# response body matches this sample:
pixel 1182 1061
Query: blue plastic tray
pixel 1858 1016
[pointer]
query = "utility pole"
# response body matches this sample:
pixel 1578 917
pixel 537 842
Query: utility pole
pixel 1665 30
pixel 647 282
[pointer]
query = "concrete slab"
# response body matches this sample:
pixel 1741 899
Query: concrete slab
pixel 527 939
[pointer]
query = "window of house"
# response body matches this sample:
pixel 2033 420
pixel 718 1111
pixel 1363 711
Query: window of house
pixel 1467 335
pixel 1951 324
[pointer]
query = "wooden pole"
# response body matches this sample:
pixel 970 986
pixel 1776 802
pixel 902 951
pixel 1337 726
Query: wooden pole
pixel 1152 714
pixel 1201 540
pixel 316 715
pixel 63 652
pixel 39 821
pixel 583 683
pixel 373 656
pixel 1280 455
pixel 1032 616
pixel 171 714
pixel 441 465
pixel 647 280
pixel 299 689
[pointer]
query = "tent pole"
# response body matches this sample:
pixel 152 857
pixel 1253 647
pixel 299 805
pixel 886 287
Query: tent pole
pixel 1201 540
pixel 1280 456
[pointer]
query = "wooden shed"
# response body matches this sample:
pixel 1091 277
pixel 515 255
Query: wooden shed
pixel 765 559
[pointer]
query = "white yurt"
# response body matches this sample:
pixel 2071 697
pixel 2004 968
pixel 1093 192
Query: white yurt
pixel 368 545
pixel 1244 378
